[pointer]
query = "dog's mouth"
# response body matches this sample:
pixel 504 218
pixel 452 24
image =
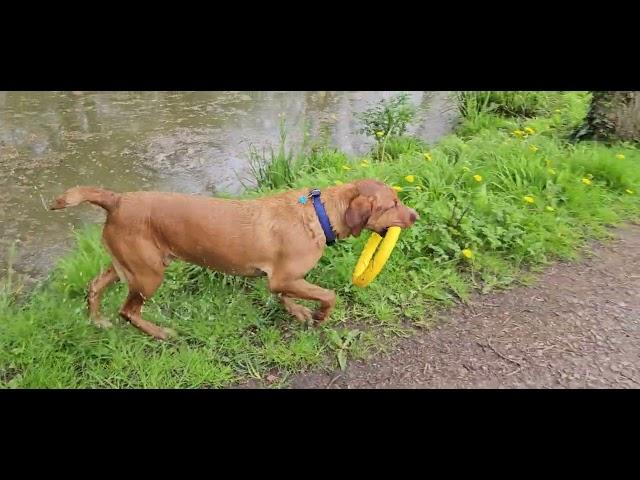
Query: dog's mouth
pixel 383 231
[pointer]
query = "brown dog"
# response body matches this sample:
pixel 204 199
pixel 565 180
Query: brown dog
pixel 280 236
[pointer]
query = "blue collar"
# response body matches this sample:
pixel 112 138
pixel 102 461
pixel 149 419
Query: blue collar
pixel 322 215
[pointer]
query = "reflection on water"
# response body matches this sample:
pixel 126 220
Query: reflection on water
pixel 192 142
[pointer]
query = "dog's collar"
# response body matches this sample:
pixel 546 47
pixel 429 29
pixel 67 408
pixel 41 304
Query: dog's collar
pixel 321 213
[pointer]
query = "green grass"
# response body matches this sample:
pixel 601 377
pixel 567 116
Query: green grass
pixel 273 169
pixel 510 104
pixel 231 329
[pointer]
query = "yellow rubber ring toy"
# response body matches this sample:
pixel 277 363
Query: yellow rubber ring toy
pixel 367 268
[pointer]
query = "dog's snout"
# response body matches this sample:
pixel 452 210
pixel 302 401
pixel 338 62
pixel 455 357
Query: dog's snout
pixel 413 216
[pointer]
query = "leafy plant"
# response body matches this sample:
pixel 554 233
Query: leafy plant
pixel 387 118
pixel 342 344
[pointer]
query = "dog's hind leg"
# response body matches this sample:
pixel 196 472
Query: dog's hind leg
pixel 131 311
pixel 141 286
pixel 96 287
pixel 141 264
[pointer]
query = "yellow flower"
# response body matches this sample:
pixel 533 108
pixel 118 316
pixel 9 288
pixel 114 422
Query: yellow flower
pixel 551 171
pixel 528 199
pixel 410 178
pixel 477 178
pixel 533 148
pixel 346 167
pixel 630 192
pixel 529 130
pixel 397 188
pixel 620 156
pixel 586 181
pixel 338 182
pixel 550 209
pixel 467 253
pixel 379 133
pixel 518 133
pixel 427 156
pixel 364 165
pixel 365 160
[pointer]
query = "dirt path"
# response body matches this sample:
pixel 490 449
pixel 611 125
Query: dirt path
pixel 577 327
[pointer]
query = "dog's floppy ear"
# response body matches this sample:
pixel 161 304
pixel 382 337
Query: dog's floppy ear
pixel 358 213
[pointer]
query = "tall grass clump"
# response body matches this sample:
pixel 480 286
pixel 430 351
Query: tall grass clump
pixel 508 104
pixel 274 169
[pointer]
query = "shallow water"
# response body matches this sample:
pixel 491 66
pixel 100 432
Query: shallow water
pixel 191 142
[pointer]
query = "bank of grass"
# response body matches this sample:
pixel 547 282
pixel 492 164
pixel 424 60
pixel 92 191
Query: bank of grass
pixel 504 195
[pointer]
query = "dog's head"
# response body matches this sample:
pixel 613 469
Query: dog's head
pixel 377 207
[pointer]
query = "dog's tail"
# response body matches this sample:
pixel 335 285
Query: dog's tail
pixel 74 196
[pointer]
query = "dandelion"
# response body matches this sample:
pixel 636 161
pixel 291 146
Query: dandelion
pixel 397 188
pixel 528 199
pixel 550 209
pixel 338 182
pixel 529 130
pixel 630 192
pixel 427 156
pixel 587 181
pixel 477 178
pixel 620 156
pixel 467 253
pixel 533 148
pixel 551 171
pixel 364 165
pixel 365 160
pixel 410 178
pixel 379 133
pixel 346 167
pixel 518 133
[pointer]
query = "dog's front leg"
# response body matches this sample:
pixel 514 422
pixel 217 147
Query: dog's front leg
pixel 300 288
pixel 302 313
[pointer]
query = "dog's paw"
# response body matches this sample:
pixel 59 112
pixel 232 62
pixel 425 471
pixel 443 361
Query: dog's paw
pixel 164 333
pixel 102 322
pixel 170 332
pixel 302 313
pixel 320 315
